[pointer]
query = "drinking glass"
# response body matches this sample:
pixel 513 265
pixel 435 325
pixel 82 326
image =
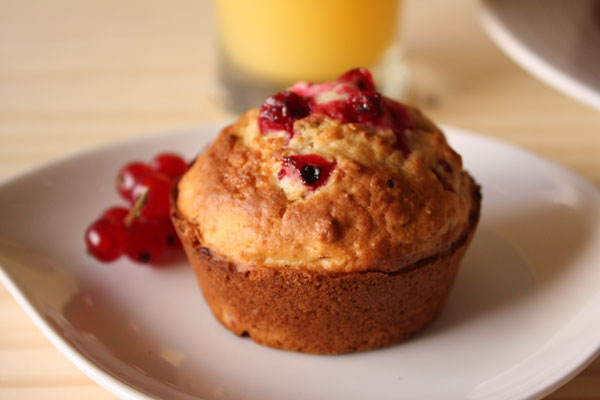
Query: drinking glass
pixel 267 45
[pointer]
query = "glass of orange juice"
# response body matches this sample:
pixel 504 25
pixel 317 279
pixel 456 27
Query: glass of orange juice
pixel 266 45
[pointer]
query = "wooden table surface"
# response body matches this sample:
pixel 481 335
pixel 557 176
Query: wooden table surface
pixel 75 74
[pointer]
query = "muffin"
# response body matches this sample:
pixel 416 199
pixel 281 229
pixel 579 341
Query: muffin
pixel 330 220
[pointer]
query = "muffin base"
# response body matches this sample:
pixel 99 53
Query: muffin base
pixel 323 313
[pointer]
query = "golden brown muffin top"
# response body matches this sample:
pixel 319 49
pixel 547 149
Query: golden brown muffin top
pixel 328 177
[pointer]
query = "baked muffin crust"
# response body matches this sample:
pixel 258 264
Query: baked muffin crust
pixel 380 209
pixel 330 220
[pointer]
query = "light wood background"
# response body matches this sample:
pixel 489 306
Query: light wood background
pixel 75 74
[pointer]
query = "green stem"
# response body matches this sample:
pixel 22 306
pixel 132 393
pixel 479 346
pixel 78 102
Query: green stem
pixel 135 210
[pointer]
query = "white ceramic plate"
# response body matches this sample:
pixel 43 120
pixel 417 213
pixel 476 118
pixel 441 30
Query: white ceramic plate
pixel 556 40
pixel 522 319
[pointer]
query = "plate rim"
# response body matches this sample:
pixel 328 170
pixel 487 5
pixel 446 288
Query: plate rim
pixel 532 62
pixel 125 390
pixel 95 372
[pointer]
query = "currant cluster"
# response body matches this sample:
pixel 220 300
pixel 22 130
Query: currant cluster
pixel 143 231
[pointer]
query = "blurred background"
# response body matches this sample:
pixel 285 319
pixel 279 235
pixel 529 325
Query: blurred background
pixel 79 74
pixel 82 73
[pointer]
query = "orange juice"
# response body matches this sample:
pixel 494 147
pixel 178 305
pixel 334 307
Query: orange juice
pixel 281 41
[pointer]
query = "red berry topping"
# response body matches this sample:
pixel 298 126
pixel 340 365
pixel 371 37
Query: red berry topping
pixel 116 215
pixel 128 176
pixel 144 242
pixel 169 164
pixel 400 120
pixel 336 109
pixel 279 112
pixel 359 103
pixel 312 169
pixel 365 106
pixel 360 78
pixel 104 240
pixel 310 89
pixel 157 189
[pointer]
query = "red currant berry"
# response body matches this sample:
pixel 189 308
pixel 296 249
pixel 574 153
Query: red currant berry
pixel 312 169
pixel 157 204
pixel 365 107
pixel 116 215
pixel 169 164
pixel 360 78
pixel 280 111
pixel 129 175
pixel 104 240
pixel 144 242
pixel 166 226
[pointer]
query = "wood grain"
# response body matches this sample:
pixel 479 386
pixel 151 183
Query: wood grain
pixel 77 74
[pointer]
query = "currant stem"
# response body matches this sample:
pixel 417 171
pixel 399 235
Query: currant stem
pixel 135 210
